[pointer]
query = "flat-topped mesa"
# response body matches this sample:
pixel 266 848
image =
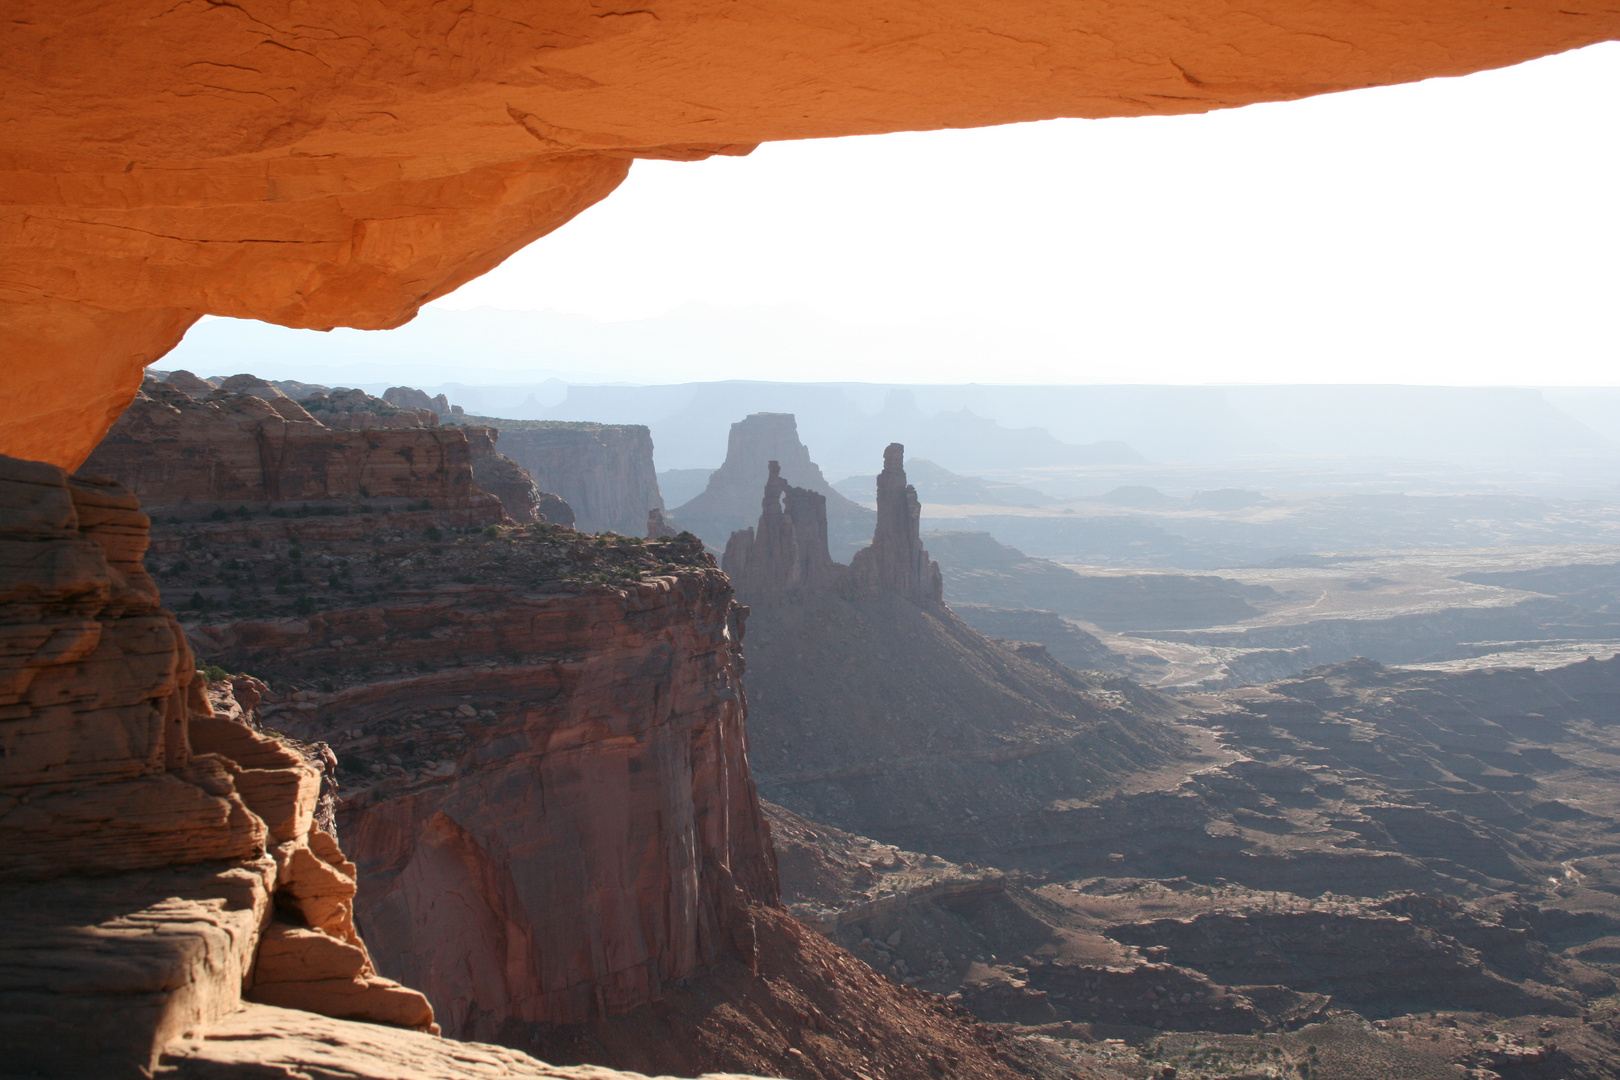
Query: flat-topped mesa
pixel 726 504
pixel 897 562
pixel 259 449
pixel 787 551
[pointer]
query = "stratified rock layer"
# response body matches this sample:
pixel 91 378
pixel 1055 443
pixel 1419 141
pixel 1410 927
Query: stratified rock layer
pixel 604 471
pixel 183 455
pixel 505 479
pixel 602 838
pixel 200 831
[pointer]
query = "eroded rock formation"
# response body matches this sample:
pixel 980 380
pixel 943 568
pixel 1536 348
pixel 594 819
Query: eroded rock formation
pixel 539 735
pixel 160 860
pixel 932 735
pixel 181 455
pixel 341 167
pixel 631 741
pixel 729 502
pixel 408 397
pixel 896 562
pixel 787 551
pixel 505 479
pixel 604 471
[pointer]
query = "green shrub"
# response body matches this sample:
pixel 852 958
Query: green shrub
pixel 213 673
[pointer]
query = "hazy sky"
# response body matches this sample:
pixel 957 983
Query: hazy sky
pixel 1452 231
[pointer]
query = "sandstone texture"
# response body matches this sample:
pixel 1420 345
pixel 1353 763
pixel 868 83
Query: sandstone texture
pixel 539 736
pixel 730 502
pixel 160 860
pixel 604 471
pixel 340 167
pixel 505 479
pixel 261 1040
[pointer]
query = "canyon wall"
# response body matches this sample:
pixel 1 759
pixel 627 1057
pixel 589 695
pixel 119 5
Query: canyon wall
pixel 596 844
pixel 509 482
pixel 546 791
pixel 161 861
pixel 604 471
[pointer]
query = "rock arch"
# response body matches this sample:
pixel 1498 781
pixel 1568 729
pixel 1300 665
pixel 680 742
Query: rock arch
pixel 319 165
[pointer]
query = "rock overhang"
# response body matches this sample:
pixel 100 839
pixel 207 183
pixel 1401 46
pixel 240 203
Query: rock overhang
pixel 322 167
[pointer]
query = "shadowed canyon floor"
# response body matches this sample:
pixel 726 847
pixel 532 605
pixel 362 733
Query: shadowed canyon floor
pixel 1398 873
pixel 1448 610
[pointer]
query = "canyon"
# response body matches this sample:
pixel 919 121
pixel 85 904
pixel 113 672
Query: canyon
pixel 176 896
pixel 932 735
pixel 544 751
pixel 162 862
pixel 538 739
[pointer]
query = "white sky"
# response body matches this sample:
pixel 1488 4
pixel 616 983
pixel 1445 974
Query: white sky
pixel 1461 231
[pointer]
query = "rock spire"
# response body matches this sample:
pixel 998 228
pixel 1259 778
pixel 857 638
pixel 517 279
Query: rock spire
pixel 897 561
pixel 729 502
pixel 786 552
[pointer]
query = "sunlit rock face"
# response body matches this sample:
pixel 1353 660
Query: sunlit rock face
pixel 160 860
pixel 319 166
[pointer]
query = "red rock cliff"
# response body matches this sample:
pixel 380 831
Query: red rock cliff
pixel 603 471
pixel 159 862
pixel 600 842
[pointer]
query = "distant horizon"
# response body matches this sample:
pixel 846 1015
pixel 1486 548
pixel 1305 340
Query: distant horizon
pixel 1451 232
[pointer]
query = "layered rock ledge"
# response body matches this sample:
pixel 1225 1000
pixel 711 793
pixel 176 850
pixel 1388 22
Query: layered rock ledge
pixel 161 861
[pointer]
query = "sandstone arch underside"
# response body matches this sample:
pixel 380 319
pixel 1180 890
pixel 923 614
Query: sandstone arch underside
pixel 321 164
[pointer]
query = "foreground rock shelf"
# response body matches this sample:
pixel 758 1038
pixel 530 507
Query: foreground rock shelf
pixel 261 1040
pixel 160 861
